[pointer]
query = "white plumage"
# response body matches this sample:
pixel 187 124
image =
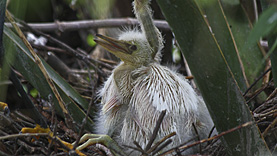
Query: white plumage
pixel 139 89
pixel 133 98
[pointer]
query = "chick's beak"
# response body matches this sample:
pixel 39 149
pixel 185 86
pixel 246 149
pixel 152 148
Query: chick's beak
pixel 113 45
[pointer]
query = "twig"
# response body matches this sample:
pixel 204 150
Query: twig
pixel 270 126
pixel 3 154
pixel 42 68
pixel 54 134
pixel 259 91
pixel 162 146
pixel 209 139
pixel 198 136
pixel 53 120
pixel 211 132
pixel 90 24
pixel 96 61
pixel 49 48
pixel 53 113
pixel 136 149
pixel 188 70
pixel 254 83
pixel 139 148
pixel 272 94
pixel 83 125
pixel 265 105
pixel 57 140
pixel 155 131
pixel 59 50
pixel 260 115
pixel 217 136
pixel 22 135
pixel 183 144
pixel 37 117
pixel 65 46
pixel 161 141
pixel 87 114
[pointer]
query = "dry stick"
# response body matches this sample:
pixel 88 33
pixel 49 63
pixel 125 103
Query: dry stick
pixel 272 94
pixel 4 154
pixel 139 148
pixel 187 69
pixel 82 126
pixel 53 112
pixel 270 126
pixel 85 119
pixel 54 135
pixel 49 48
pixel 265 114
pixel 42 68
pixel 183 144
pixel 209 139
pixel 198 136
pixel 265 104
pixel 92 82
pixel 90 24
pixel 95 61
pixel 22 135
pixel 53 120
pixel 254 83
pixel 161 141
pixel 162 146
pixel 56 139
pixel 59 50
pixel 136 149
pixel 156 129
pixel 211 132
pixel 259 91
pixel 267 66
pixel 66 47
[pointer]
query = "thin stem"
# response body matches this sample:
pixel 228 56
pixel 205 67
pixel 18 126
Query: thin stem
pixel 89 24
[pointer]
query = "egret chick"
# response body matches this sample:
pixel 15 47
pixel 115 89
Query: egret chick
pixel 140 88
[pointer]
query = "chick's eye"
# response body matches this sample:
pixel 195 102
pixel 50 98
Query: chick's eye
pixel 133 47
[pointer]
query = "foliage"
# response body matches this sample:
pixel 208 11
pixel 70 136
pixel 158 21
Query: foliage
pixel 215 36
pixel 211 36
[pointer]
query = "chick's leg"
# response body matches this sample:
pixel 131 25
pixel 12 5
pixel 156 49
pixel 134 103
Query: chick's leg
pixel 87 140
pixel 91 139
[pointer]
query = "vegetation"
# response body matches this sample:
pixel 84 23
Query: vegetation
pixel 50 75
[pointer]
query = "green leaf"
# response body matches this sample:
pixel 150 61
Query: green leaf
pixel 223 34
pixel 34 92
pixel 176 54
pixel 213 76
pixel 250 8
pixel 240 25
pixel 4 69
pixel 90 40
pixel 265 26
pixel 26 65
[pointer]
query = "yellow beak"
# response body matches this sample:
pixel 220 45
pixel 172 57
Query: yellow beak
pixel 112 45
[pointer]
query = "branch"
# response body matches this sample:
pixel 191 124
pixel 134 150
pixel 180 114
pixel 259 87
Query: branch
pixel 155 131
pixel 89 24
pixel 209 139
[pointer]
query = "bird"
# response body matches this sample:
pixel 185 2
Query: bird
pixel 140 88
